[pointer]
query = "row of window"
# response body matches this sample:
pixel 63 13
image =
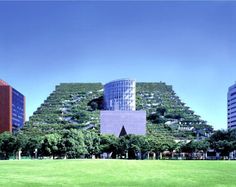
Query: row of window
pixel 119 84
pixel 113 92
pixel 232 104
pixel 232 121
pixel 232 126
pixel 122 84
pixel 232 94
pixel 231 108
pixel 231 117
pixel 232 113
pixel 119 93
pixel 232 99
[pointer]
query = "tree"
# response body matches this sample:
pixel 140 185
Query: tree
pixel 96 103
pixel 134 145
pixel 202 145
pixel 92 142
pixel 33 145
pixel 155 118
pixel 50 144
pixel 21 141
pixel 73 143
pixel 161 111
pixel 232 135
pixel 232 138
pixel 154 144
pixel 188 147
pixel 7 144
pixel 223 142
pixel 109 144
pixel 224 147
pixel 218 135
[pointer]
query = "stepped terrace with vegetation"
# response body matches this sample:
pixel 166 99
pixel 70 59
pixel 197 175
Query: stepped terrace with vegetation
pixel 77 105
pixel 66 125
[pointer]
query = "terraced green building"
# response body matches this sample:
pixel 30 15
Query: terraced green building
pixel 78 105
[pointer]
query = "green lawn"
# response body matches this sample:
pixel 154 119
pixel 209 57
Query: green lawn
pixel 113 173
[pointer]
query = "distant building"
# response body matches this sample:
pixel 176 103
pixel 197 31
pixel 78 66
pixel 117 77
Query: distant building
pixel 120 117
pixel 232 107
pixel 12 108
pixel 120 95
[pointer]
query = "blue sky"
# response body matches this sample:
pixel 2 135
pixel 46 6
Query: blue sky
pixel 190 45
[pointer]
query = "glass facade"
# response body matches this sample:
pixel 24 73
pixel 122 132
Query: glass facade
pixel 18 110
pixel 232 107
pixel 120 95
pixel 120 116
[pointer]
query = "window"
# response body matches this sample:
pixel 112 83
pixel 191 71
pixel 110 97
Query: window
pixel 232 94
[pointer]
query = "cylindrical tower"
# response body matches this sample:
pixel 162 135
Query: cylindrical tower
pixel 120 95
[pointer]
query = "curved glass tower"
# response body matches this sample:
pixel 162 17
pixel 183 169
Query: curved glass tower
pixel 120 95
pixel 120 116
pixel 232 107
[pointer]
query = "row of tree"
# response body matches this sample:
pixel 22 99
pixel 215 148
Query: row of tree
pixel 74 143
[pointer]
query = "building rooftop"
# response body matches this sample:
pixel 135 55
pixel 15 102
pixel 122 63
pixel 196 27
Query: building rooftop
pixel 233 86
pixel 3 83
pixel 122 79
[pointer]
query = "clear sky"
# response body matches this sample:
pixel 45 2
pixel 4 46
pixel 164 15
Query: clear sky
pixel 190 45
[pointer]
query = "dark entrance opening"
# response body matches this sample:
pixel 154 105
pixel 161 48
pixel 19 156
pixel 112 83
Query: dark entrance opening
pixel 123 131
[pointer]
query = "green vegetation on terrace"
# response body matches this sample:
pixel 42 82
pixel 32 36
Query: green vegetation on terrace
pixel 117 173
pixel 68 104
pixel 77 105
pixel 66 125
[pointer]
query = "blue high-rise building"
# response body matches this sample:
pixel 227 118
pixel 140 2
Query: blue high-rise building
pixel 232 107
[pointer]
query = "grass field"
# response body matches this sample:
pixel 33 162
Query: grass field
pixel 114 173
